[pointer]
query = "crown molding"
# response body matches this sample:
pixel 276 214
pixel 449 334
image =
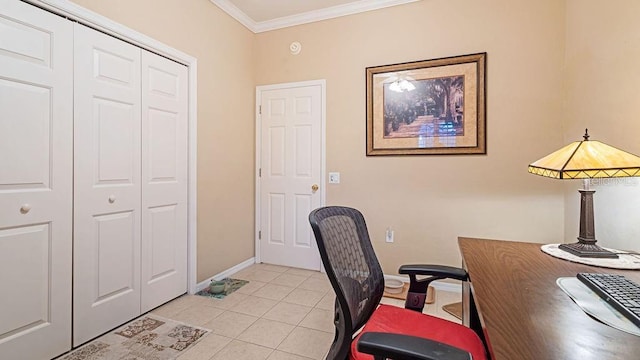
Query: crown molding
pixel 307 17
pixel 236 13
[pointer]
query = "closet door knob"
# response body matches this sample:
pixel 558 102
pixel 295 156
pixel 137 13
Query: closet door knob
pixel 112 199
pixel 25 208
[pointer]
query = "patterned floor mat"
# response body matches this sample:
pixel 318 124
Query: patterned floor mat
pixel 148 337
pixel 231 286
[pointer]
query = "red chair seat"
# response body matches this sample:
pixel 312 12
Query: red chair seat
pixel 393 319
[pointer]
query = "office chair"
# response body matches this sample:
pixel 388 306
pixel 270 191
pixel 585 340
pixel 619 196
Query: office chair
pixel 387 331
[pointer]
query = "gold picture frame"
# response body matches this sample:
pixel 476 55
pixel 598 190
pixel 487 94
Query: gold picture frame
pixel 429 107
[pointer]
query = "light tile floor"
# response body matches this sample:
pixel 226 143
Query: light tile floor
pixel 281 314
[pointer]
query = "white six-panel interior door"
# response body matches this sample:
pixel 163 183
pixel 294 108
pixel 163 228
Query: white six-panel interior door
pixel 290 172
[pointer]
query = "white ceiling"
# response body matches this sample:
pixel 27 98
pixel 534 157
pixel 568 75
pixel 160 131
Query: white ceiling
pixel 264 15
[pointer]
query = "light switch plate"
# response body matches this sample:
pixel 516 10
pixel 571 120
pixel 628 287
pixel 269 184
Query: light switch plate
pixel 334 178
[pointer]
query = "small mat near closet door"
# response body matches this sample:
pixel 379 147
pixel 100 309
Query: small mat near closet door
pixel 231 285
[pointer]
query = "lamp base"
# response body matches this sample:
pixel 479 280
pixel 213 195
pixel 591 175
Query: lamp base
pixel 587 250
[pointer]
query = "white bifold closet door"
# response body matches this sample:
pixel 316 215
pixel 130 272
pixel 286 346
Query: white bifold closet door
pixel 36 133
pixel 130 214
pixel 164 180
pixel 107 171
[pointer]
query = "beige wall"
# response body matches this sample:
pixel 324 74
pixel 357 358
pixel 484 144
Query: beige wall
pixel 226 88
pixel 431 200
pixel 602 57
pixel 554 68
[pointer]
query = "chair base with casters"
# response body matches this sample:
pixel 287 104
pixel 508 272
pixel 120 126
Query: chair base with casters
pixel 386 331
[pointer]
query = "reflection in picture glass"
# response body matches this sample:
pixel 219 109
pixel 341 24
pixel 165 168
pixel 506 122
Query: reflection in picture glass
pixel 435 108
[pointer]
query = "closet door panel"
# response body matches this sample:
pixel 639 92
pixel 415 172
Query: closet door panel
pixel 107 112
pixel 164 177
pixel 36 138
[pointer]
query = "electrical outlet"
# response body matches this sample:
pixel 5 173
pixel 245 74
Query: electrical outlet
pixel 389 236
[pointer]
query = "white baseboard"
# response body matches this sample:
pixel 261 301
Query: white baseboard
pixel 230 271
pixel 438 285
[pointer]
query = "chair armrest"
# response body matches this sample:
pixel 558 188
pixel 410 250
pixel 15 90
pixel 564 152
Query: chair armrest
pixel 435 270
pixel 405 347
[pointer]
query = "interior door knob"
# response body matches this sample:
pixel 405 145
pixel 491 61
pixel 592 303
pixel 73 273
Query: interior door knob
pixel 112 199
pixel 314 187
pixel 25 208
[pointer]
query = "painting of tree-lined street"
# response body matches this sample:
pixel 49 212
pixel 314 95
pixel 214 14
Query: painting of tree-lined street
pixel 435 108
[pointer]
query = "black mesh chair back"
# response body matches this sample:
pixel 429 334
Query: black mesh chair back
pixel 352 268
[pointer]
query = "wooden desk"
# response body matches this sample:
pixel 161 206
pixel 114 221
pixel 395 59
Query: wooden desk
pixel 525 315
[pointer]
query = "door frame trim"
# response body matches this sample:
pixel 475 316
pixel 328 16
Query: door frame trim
pixel 101 23
pixel 323 121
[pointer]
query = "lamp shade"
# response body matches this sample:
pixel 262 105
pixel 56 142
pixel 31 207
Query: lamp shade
pixel 587 159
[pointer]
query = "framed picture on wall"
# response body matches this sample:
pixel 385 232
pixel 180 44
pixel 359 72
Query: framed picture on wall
pixel 427 107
